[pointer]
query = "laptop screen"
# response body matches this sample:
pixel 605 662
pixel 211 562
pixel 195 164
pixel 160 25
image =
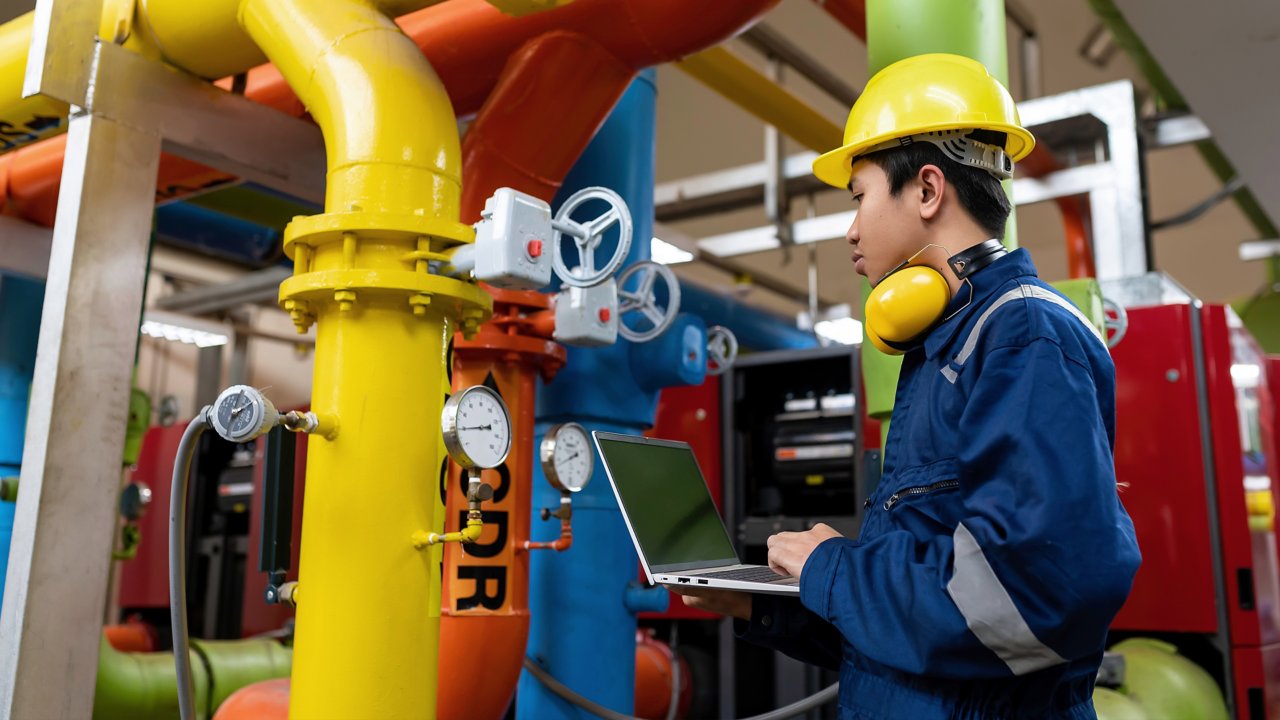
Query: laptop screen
pixel 667 503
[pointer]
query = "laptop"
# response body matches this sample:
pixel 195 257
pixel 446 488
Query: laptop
pixel 674 525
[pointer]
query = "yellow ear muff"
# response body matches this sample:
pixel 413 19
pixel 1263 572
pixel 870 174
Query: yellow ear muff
pixel 876 342
pixel 903 306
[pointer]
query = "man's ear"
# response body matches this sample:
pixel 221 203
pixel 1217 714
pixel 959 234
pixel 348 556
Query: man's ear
pixel 932 188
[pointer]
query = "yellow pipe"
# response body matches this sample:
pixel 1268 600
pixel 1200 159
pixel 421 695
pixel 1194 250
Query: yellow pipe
pixel 737 81
pixel 367 636
pixel 389 128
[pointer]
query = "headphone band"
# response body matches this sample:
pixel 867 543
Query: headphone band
pixel 968 262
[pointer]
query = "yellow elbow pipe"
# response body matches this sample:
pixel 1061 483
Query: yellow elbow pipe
pixel 727 74
pixel 469 534
pixel 389 128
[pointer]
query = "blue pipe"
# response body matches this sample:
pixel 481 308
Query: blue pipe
pixel 755 329
pixel 218 235
pixel 21 302
pixel 583 602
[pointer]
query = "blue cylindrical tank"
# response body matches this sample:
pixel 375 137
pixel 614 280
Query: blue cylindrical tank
pixel 21 302
pixel 583 602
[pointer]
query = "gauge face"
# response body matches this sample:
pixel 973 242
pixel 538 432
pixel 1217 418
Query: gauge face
pixel 477 428
pixel 239 412
pixel 567 457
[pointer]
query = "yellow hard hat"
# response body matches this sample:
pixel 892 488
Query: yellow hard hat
pixel 930 93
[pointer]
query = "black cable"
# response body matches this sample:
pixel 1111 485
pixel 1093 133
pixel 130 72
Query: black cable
pixel 821 697
pixel 1231 188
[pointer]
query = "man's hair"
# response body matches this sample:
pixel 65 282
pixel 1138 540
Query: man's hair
pixel 979 193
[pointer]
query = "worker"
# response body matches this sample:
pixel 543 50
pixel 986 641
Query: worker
pixel 994 552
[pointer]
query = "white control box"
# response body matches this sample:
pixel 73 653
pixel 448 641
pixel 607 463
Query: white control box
pixel 513 242
pixel 587 317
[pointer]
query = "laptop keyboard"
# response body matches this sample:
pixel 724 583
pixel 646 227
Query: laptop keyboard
pixel 747 574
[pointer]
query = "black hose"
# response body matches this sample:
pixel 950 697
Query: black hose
pixel 1231 188
pixel 178 562
pixel 821 697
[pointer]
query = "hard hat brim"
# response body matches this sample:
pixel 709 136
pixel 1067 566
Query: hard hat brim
pixel 835 167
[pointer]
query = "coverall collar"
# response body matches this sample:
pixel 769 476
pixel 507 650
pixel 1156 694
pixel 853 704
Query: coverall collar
pixel 985 282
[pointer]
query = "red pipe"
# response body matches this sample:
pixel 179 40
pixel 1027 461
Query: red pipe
pixel 851 13
pixel 523 138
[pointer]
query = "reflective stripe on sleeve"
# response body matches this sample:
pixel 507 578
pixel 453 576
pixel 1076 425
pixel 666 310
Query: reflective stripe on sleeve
pixel 989 611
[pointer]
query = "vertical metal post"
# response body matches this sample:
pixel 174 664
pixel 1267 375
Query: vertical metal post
pixel 777 204
pixel 208 375
pixel 238 374
pixel 59 561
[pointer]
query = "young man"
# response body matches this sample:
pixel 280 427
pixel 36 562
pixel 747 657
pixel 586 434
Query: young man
pixel 995 552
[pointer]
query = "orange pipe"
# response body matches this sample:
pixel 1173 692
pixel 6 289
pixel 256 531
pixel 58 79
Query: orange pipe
pixel 133 635
pixel 266 700
pixel 1079 249
pixel 560 544
pixel 468 42
pixel 522 137
pixel 484 621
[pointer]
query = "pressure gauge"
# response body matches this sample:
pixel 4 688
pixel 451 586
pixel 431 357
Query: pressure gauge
pixel 242 413
pixel 567 458
pixel 477 428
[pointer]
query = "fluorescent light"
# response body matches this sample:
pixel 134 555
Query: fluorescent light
pixel 668 254
pixel 183 329
pixel 845 331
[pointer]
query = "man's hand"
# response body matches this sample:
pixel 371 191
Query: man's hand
pixel 788 551
pixel 725 602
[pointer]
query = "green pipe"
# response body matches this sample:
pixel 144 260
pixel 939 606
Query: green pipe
pixel 898 29
pixel 144 686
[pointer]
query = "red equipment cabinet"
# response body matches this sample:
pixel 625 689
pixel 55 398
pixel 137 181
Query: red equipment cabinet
pixel 1189 388
pixel 144 579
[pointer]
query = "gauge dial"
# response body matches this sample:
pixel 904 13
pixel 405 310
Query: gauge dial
pixel 477 428
pixel 567 457
pixel 242 413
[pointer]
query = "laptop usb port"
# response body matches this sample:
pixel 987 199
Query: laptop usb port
pixel 684 580
pixel 702 582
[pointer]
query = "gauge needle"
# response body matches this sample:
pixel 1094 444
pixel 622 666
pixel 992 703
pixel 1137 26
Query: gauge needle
pixel 478 427
pixel 236 410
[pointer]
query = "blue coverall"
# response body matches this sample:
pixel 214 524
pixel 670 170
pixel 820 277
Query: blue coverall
pixel 995 551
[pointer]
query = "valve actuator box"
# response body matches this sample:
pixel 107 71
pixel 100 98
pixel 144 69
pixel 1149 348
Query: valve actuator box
pixel 587 317
pixel 513 242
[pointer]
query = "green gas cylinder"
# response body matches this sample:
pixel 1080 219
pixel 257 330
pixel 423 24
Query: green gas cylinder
pixel 1167 685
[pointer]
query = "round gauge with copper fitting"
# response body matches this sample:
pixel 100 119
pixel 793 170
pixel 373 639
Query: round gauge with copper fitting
pixel 566 456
